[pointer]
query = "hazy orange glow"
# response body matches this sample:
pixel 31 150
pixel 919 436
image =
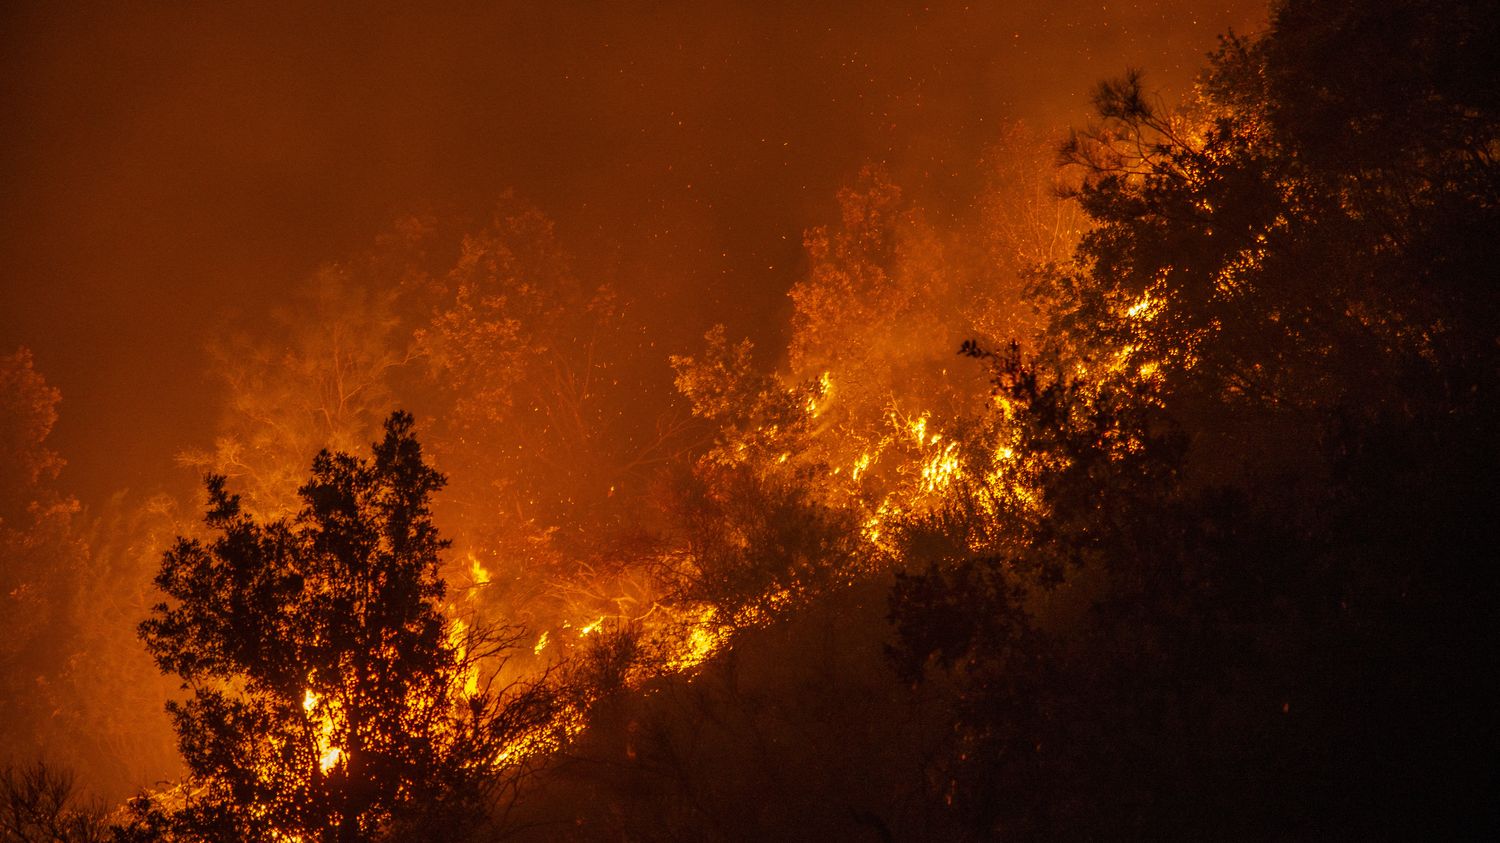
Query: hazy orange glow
pixel 212 215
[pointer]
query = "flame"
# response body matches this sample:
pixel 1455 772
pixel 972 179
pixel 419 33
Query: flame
pixel 861 465
pixel 705 635
pixel 330 758
pixel 921 470
pixel 323 727
pixel 467 680
pixel 918 429
pixel 821 394
pixel 1146 307
pixel 939 470
pixel 478 574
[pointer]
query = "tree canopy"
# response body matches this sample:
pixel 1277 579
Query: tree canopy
pixel 328 692
pixel 1248 585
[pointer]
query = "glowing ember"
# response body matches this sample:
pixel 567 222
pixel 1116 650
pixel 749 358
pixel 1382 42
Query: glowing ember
pixel 323 727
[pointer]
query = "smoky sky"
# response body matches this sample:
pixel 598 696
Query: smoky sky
pixel 166 166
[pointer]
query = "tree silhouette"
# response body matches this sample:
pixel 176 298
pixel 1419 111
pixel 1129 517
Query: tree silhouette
pixel 1254 597
pixel 329 695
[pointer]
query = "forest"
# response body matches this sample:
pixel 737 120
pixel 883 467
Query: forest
pixel 1149 495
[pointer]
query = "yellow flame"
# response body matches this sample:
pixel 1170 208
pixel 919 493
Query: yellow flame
pixel 468 678
pixel 478 574
pixel 815 402
pixel 330 758
pixel 918 429
pixel 939 470
pixel 874 527
pixel 1141 308
pixel 861 465
pixel 328 755
pixel 704 637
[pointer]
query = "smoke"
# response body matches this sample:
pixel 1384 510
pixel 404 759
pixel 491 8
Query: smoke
pixel 194 195
pixel 168 166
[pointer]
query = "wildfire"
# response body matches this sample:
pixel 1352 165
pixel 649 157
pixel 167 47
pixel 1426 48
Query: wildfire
pixel 939 470
pixel 918 429
pixel 861 465
pixel 1145 308
pixel 468 675
pixel 888 469
pixel 478 574
pixel 821 393
pixel 323 727
pixel 705 635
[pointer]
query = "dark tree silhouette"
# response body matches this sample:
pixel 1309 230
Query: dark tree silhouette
pixel 1256 589
pixel 39 804
pixel 328 692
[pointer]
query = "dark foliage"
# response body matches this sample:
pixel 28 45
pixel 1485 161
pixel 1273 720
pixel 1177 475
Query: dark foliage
pixel 1284 547
pixel 797 733
pixel 324 682
pixel 39 804
pixel 758 545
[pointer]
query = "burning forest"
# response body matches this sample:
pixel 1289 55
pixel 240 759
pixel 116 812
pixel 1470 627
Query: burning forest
pixel 750 423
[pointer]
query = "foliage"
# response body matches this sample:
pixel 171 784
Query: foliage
pixel 28 413
pixel 758 546
pixel 327 696
pixel 106 694
pixel 324 381
pixel 38 804
pixel 758 536
pixel 1113 608
pixel 41 552
pixel 539 369
pixel 797 733
pixel 529 370
pixel 75 686
pixel 889 293
pixel 753 417
pixel 1241 239
pixel 1246 589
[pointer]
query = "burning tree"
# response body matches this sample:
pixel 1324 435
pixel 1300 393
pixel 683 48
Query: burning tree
pixel 330 697
pixel 1265 462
